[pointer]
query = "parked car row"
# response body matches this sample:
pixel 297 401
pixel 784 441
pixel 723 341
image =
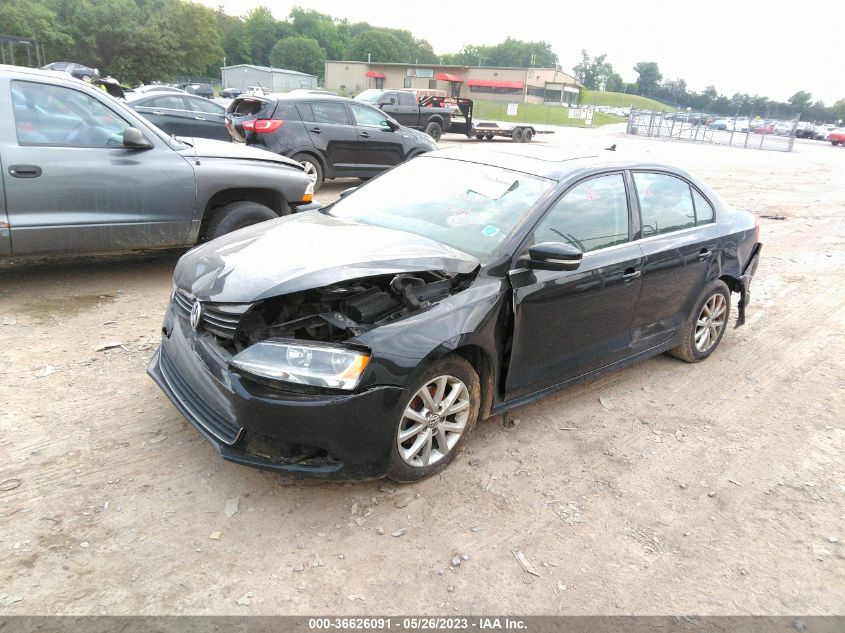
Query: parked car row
pixel 332 137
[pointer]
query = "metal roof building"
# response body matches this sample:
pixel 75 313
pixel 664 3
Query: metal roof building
pixel 275 79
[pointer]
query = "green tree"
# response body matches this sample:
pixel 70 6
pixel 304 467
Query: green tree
pixel 261 31
pixel 615 83
pixel 25 18
pixel 648 77
pixel 595 73
pixel 299 53
pixel 234 39
pixel 800 100
pixel 320 27
pixel 379 45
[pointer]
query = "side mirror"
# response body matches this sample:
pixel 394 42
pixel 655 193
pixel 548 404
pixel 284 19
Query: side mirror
pixel 553 256
pixel 134 139
pixel 393 125
pixel 346 192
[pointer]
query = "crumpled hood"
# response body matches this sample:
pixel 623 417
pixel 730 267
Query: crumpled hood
pixel 303 251
pixel 210 148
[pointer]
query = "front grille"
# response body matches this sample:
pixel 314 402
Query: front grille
pixel 200 412
pixel 220 319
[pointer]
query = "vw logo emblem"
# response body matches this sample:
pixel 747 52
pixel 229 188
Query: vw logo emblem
pixel 196 315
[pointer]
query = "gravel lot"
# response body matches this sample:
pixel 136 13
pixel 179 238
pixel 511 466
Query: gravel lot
pixel 666 488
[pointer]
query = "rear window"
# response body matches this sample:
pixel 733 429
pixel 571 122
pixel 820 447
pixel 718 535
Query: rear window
pixel 286 111
pixel 246 107
pixel 327 112
pixel 407 99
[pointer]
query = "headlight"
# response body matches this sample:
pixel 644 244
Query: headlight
pixel 303 363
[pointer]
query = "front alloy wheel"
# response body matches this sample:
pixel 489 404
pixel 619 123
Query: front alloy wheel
pixel 433 421
pixel 440 410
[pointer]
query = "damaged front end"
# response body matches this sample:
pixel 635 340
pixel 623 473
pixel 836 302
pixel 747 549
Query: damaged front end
pixel 336 313
pixel 306 340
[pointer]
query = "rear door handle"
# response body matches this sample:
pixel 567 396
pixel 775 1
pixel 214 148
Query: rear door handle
pixel 365 135
pixel 199 118
pixel 316 130
pixel 24 171
pixel 630 274
pixel 705 253
pixel 158 113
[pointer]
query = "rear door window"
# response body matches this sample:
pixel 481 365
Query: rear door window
pixel 204 105
pixel 407 99
pixel 166 102
pixel 665 203
pixel 328 112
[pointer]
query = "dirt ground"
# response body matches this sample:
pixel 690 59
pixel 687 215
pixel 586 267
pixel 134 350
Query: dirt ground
pixel 666 488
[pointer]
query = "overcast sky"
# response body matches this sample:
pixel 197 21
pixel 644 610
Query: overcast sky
pixel 752 47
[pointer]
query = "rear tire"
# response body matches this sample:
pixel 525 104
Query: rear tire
pixel 518 135
pixel 478 137
pixel 434 130
pixel 429 446
pixel 528 135
pixel 234 216
pixel 703 330
pixel 313 168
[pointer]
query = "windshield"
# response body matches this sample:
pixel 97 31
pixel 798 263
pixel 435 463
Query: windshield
pixel 467 206
pixel 370 96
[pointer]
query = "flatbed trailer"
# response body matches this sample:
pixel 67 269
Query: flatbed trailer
pixel 483 130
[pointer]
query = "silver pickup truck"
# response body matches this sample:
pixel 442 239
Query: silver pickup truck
pixel 83 173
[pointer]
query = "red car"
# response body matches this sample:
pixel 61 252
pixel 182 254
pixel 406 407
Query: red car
pixel 837 136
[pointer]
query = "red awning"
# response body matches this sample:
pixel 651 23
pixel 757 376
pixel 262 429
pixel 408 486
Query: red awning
pixel 448 77
pixel 495 83
pixel 375 74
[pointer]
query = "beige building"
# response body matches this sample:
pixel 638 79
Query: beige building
pixel 516 85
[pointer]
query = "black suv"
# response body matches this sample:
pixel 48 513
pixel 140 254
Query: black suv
pixel 333 137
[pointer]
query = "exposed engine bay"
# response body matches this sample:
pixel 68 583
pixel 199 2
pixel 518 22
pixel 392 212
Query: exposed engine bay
pixel 347 309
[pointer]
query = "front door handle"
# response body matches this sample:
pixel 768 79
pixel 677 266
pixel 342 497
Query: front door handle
pixel 316 130
pixel 24 171
pixel 705 253
pixel 365 135
pixel 158 113
pixel 630 274
pixel 199 118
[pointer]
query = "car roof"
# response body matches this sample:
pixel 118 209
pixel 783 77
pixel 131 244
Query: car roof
pixel 38 72
pixel 547 162
pixel 300 96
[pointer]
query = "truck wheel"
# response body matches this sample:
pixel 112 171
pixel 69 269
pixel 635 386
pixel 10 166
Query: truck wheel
pixel 312 168
pixel 517 135
pixel 528 135
pixel 478 137
pixel 234 216
pixel 488 137
pixel 434 130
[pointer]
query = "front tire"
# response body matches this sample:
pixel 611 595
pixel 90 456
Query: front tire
pixel 441 407
pixel 518 135
pixel 434 130
pixel 313 169
pixel 703 330
pixel 236 215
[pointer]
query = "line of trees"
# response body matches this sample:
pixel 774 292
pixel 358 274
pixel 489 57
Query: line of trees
pixel 144 40
pixel 597 73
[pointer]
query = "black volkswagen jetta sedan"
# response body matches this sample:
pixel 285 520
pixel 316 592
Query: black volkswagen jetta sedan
pixel 368 338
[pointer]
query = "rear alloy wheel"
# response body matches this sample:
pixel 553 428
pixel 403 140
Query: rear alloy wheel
pixel 705 327
pixel 313 169
pixel 236 215
pixel 434 130
pixel 518 135
pixel 436 419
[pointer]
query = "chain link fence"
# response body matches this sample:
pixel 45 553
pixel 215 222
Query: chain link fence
pixel 751 132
